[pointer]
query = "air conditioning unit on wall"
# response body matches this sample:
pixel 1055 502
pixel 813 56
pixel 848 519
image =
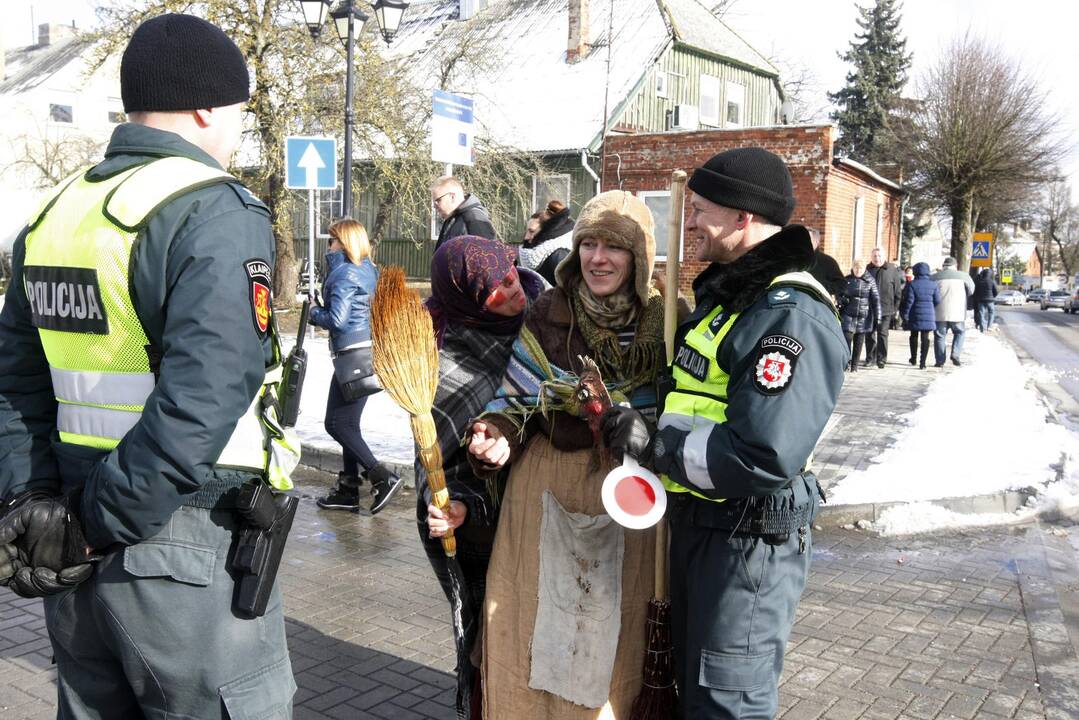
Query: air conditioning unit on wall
pixel 684 117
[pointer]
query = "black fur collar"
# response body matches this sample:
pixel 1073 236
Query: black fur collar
pixel 737 285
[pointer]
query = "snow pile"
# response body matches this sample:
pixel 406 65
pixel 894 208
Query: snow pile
pixel 979 429
pixel 384 425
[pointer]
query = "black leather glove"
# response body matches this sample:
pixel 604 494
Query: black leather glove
pixel 665 449
pixel 625 431
pixel 53 554
pixel 9 563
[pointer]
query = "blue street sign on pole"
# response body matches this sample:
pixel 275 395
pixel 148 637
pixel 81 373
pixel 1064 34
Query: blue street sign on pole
pixel 452 128
pixel 310 163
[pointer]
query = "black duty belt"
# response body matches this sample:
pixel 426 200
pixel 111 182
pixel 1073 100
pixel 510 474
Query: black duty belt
pixel 741 515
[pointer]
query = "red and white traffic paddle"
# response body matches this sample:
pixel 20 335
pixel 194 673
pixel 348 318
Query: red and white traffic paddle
pixel 633 495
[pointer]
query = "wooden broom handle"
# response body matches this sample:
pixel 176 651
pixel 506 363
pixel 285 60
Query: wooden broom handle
pixel 670 326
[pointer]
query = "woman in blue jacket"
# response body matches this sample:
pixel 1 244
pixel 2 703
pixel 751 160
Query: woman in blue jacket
pixel 918 310
pixel 349 286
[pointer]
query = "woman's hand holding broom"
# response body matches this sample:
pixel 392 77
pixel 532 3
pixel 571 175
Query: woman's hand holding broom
pixel 451 518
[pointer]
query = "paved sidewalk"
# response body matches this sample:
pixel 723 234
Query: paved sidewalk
pixel 959 625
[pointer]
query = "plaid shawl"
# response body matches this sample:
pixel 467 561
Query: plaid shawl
pixel 470 367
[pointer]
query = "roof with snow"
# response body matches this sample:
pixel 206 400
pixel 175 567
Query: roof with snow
pixel 514 64
pixel 27 67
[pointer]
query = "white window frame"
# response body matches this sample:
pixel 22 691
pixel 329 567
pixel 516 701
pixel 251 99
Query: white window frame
pixel 880 228
pixel 709 88
pixel 736 94
pixel 662 84
pixel 859 229
pixel 662 223
pixel 549 182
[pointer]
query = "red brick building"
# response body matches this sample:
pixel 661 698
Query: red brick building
pixel 855 209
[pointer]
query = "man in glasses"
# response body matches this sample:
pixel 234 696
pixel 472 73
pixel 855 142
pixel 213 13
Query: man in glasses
pixel 461 212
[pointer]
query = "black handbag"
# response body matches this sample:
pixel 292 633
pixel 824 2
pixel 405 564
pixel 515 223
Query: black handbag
pixel 354 372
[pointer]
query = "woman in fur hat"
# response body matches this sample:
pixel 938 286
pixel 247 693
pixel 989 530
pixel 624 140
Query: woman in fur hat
pixel 567 588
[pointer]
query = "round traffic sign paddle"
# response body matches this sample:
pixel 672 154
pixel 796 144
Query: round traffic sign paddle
pixel 633 496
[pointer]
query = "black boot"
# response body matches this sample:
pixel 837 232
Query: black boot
pixel 384 485
pixel 345 494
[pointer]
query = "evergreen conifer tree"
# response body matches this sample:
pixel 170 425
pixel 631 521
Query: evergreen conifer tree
pixel 880 63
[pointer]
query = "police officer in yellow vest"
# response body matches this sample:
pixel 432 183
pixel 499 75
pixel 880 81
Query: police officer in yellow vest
pixel 757 371
pixel 136 349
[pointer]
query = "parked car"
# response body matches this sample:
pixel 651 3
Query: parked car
pixel 1058 299
pixel 1075 302
pixel 1037 295
pixel 1010 297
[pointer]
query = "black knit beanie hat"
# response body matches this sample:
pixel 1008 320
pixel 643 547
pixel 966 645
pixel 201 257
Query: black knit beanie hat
pixel 181 62
pixel 750 179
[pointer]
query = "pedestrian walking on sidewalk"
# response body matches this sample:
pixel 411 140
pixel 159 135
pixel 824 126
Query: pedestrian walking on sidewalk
pixel 918 309
pixel 568 588
pixel 478 303
pixel 127 421
pixel 757 372
pixel 890 288
pixel 859 308
pixel 985 290
pixel 955 289
pixel 345 311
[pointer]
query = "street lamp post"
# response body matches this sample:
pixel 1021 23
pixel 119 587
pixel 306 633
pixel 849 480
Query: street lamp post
pixel 388 15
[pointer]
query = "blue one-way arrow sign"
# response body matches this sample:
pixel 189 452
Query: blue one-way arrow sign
pixel 310 163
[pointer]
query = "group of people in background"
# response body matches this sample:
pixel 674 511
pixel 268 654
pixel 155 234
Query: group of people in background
pixel 877 297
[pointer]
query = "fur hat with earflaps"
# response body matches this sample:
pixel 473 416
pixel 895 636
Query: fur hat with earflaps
pixel 622 220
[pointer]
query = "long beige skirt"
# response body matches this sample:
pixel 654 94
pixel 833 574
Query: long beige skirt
pixel 513 589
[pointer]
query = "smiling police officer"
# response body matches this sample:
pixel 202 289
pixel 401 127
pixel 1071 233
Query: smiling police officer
pixel 757 371
pixel 138 370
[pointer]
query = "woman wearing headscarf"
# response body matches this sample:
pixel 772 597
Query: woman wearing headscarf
pixel 548 240
pixel 568 589
pixel 477 304
pixel 350 282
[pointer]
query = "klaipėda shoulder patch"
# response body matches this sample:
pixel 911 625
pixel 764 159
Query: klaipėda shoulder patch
pixel 258 279
pixel 777 356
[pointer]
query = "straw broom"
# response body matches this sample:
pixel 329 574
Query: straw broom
pixel 406 362
pixel 658 699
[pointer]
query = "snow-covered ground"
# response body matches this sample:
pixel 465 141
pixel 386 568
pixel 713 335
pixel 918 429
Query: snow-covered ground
pixel 384 425
pixel 979 429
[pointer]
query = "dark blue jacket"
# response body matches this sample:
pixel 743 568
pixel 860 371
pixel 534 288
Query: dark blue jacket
pixel 920 299
pixel 347 293
pixel 984 287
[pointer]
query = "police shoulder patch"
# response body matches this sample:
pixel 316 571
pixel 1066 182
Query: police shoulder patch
pixel 777 357
pixel 259 284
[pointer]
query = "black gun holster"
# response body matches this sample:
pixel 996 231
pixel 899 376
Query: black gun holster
pixel 266 518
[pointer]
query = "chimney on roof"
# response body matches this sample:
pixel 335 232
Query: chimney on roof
pixel 577 46
pixel 467 8
pixel 52 33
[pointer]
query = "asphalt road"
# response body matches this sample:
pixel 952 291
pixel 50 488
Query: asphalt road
pixel 1051 339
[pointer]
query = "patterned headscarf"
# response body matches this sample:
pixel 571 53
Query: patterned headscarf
pixel 464 272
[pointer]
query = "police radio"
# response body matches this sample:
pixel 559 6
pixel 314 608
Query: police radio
pixel 293 373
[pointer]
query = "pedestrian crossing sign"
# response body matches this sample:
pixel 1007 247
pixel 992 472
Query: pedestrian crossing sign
pixel 981 251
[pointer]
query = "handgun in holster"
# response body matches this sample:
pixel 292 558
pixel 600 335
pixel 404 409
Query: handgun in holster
pixel 266 520
pixel 293 372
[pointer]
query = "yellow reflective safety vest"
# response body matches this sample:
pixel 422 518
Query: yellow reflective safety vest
pixel 699 396
pixel 76 275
